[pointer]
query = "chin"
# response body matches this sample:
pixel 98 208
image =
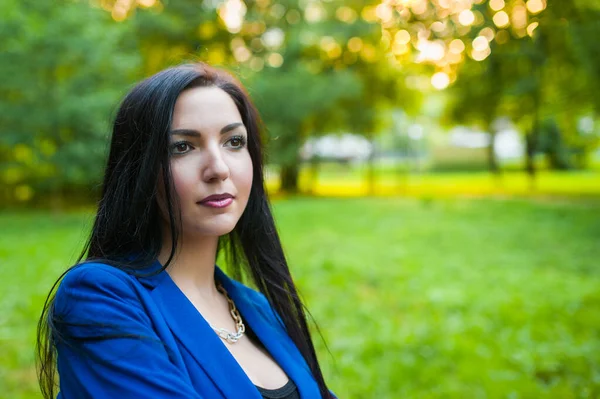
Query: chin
pixel 214 229
pixel 222 231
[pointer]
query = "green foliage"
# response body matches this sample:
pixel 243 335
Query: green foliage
pixel 70 62
pixel 551 75
pixel 64 67
pixel 415 298
pixel 289 101
pixel 323 85
pixel 312 67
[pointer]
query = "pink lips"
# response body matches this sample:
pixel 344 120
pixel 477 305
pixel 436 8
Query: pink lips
pixel 217 201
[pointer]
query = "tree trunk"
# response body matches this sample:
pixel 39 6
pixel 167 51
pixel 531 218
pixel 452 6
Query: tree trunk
pixel 289 178
pixel 371 171
pixel 491 154
pixel 531 144
pixel 315 163
pixel 493 165
pixel 532 139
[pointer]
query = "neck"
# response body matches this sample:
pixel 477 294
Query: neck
pixel 193 266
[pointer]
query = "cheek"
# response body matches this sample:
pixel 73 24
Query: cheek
pixel 183 180
pixel 244 176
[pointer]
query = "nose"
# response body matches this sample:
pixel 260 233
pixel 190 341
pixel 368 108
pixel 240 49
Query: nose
pixel 215 168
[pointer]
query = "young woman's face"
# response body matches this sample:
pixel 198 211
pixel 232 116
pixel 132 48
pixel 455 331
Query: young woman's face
pixel 209 157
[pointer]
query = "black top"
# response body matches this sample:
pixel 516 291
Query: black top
pixel 288 391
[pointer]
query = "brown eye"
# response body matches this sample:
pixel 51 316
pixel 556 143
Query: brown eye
pixel 237 142
pixel 180 148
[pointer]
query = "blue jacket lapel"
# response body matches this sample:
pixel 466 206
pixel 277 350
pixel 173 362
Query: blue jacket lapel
pixel 206 347
pixel 272 336
pixel 202 343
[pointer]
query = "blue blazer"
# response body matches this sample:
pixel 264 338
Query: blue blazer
pixel 172 353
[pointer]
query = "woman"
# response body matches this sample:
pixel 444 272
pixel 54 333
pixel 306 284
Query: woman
pixel 148 314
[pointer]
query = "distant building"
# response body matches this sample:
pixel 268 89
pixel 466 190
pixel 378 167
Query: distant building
pixel 344 148
pixel 508 143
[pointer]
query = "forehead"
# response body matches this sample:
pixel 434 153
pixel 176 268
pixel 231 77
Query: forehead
pixel 205 109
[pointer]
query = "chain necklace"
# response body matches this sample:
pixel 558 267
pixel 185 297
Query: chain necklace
pixel 228 336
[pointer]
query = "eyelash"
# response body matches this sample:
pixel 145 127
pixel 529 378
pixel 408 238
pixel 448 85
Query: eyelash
pixel 174 146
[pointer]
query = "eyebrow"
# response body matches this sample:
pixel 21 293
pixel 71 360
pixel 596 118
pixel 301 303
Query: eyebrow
pixel 196 133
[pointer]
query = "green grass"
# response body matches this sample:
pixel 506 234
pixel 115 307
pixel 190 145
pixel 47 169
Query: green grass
pixel 34 249
pixel 447 298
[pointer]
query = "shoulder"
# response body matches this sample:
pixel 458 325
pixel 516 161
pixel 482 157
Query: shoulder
pixel 94 274
pixel 87 286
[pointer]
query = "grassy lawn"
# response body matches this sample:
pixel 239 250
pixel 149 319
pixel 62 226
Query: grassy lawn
pixel 416 298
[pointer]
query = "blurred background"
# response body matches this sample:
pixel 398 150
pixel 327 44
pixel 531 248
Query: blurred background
pixel 434 167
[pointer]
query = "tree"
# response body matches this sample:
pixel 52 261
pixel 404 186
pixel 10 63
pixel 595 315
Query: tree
pixel 311 67
pixel 331 77
pixel 65 67
pixel 523 59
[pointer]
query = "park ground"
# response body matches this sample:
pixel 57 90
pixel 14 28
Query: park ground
pixel 484 295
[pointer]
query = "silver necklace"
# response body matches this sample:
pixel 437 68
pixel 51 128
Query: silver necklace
pixel 225 334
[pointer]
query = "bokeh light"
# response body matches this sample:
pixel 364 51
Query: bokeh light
pixel 531 28
pixel 275 60
pixel 440 80
pixel 496 5
pixel 501 19
pixel 402 37
pixel 457 46
pixel 466 17
pixel 536 6
pixel 480 43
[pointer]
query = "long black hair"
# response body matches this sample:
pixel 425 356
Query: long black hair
pixel 128 221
